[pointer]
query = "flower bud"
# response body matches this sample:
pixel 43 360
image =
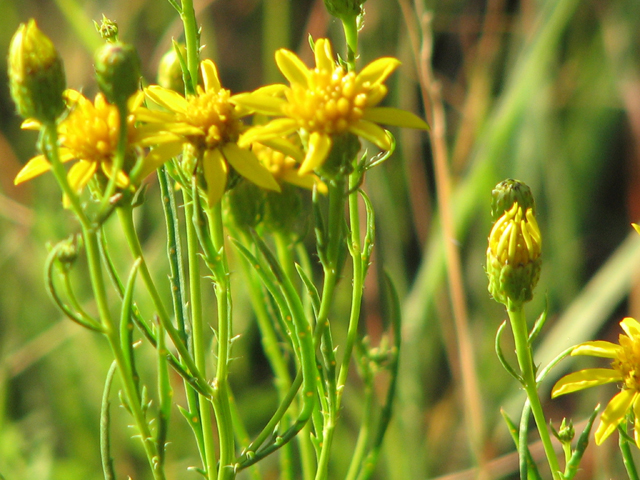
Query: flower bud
pixel 284 211
pixel 170 70
pixel 513 256
pixel 344 8
pixel 245 204
pixel 36 74
pixel 117 71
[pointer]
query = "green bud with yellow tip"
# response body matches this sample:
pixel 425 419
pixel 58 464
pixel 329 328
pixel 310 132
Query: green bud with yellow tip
pixel 513 255
pixel 36 74
pixel 170 70
pixel 117 71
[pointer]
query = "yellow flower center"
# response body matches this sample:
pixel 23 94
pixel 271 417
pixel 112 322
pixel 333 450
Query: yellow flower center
pixel 515 238
pixel 91 131
pixel 628 362
pixel 212 113
pixel 276 162
pixel 332 103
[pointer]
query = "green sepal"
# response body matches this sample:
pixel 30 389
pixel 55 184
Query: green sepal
pixel 505 364
pixel 105 422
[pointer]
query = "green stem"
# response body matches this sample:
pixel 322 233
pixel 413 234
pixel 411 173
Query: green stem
pixel 199 347
pixel 221 398
pixel 525 360
pixel 116 167
pixel 627 457
pixel 188 16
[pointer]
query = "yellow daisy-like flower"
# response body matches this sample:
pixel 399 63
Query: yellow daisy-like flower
pixel 89 134
pixel 625 369
pixel 282 159
pixel 211 123
pixel 324 102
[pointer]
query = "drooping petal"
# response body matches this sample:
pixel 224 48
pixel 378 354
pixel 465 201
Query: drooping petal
pixel 292 68
pixel 259 103
pixel 38 165
pixel 80 174
pixel 135 101
pixel 215 173
pixel 372 132
pixel 247 164
pixel 122 181
pixel 210 76
pixel 614 414
pixel 597 348
pixel 584 379
pixel 394 116
pixel 280 127
pixel 377 71
pixel 304 181
pixel 324 55
pixel 318 149
pixel 157 157
pixel 166 98
pixel 631 327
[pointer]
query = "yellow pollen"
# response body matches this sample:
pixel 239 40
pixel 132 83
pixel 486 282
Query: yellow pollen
pixel 331 104
pixel 214 115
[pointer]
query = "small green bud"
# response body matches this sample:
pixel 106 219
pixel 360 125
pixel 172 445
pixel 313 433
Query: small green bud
pixel 283 211
pixel 117 71
pixel 344 8
pixel 170 70
pixel 513 256
pixel 36 74
pixel 565 433
pixel 245 204
pixel 108 29
pixel 67 252
pixel 506 193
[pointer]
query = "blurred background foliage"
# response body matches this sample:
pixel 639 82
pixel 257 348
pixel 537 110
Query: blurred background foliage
pixel 546 91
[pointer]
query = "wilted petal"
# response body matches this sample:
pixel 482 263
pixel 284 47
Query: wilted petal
pixel 248 165
pixel 318 149
pixel 292 68
pixel 215 173
pixel 597 348
pixel 394 116
pixel 166 98
pixel 324 55
pixel 372 132
pixel 210 75
pixel 377 71
pixel 584 379
pixel 614 414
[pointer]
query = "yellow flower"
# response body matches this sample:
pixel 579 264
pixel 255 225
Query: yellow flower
pixel 211 123
pixel 282 160
pixel 625 369
pixel 324 102
pixel 89 134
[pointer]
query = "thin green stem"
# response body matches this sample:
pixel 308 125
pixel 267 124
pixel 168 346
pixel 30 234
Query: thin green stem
pixel 627 457
pixel 199 346
pixel 525 361
pixel 192 42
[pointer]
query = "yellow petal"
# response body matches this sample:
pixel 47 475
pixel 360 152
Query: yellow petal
pixel 394 116
pixel 30 124
pixel 372 132
pixel 135 100
pixel 597 348
pixel 280 127
pixel 631 327
pixel 304 181
pixel 247 164
pixel 324 55
pixel 274 90
pixel 285 146
pixel 259 103
pixel 634 225
pixel 292 68
pixel 154 116
pixel 122 181
pixel 215 173
pixel 318 149
pixel 157 157
pixel 166 98
pixel 161 138
pixel 636 425
pixel 614 414
pixel 210 75
pixel 377 71
pixel 80 174
pixel 590 377
pixel 38 165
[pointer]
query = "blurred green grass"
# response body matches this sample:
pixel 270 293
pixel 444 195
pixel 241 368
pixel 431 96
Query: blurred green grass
pixel 546 92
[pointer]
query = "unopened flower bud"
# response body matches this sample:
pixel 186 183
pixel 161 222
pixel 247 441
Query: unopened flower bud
pixel 344 8
pixel 283 211
pixel 36 74
pixel 513 256
pixel 170 70
pixel 566 432
pixel 506 193
pixel 245 204
pixel 108 29
pixel 117 71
